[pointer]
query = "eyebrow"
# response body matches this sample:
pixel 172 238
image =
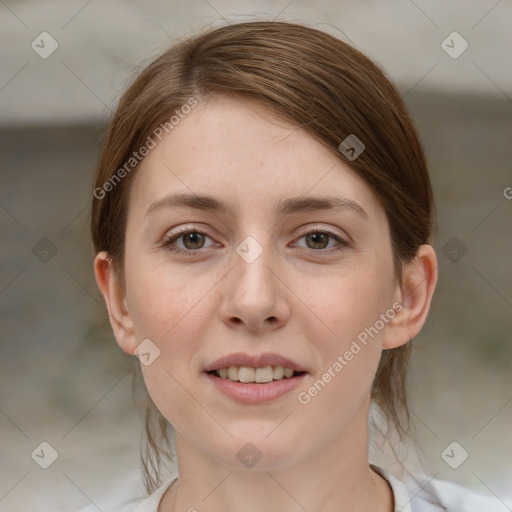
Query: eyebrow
pixel 284 207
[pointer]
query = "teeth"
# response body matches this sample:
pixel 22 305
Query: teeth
pixel 233 373
pixel 258 375
pixel 288 372
pixel 265 374
pixel 246 374
pixel 278 372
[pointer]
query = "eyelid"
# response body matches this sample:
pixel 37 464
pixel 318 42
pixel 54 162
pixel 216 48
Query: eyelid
pixel 184 229
pixel 324 229
pixel 343 239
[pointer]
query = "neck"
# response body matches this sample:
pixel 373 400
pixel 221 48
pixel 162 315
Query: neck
pixel 333 478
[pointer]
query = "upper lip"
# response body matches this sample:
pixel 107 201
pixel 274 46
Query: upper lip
pixel 253 361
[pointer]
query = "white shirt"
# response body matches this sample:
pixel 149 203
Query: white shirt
pixel 421 495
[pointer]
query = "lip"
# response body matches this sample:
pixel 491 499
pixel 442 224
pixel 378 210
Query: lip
pixel 254 361
pixel 253 393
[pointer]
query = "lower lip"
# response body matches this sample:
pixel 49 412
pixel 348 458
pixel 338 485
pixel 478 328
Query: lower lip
pixel 253 393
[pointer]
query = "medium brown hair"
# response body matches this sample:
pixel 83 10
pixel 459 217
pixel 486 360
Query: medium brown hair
pixel 317 82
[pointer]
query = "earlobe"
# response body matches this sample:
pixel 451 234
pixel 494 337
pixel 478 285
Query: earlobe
pixel 419 280
pixel 115 299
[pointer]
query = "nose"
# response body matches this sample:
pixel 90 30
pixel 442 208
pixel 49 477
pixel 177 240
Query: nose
pixel 254 296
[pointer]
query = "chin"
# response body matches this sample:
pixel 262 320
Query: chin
pixel 260 451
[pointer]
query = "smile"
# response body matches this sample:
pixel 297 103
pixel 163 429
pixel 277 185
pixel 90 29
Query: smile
pixel 256 375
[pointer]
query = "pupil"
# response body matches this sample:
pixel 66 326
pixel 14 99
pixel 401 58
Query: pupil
pixel 317 239
pixel 193 238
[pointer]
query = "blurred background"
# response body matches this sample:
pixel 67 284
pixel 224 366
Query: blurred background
pixel 63 380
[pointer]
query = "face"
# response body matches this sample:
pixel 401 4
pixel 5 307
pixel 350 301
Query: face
pixel 272 277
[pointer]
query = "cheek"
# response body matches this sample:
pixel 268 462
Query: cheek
pixel 170 309
pixel 166 303
pixel 352 301
pixel 168 390
pixel 348 329
pixel 350 353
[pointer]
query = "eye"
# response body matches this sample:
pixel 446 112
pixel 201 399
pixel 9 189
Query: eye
pixel 319 239
pixel 192 240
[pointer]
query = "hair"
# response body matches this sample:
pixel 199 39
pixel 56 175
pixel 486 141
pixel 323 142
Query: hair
pixel 311 79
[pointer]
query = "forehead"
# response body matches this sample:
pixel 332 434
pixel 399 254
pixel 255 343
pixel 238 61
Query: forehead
pixel 241 151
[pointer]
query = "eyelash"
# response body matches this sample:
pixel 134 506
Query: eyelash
pixel 170 240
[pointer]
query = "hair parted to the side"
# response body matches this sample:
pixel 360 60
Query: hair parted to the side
pixel 317 82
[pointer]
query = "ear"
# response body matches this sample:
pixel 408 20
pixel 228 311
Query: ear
pixel 115 298
pixel 419 279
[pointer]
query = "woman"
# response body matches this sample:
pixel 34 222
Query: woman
pixel 261 218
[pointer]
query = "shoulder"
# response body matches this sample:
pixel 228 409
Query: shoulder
pixel 422 493
pixel 448 496
pixel 151 503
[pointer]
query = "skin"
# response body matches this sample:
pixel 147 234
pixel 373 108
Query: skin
pixel 199 307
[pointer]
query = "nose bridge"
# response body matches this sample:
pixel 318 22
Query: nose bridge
pixel 253 293
pixel 253 276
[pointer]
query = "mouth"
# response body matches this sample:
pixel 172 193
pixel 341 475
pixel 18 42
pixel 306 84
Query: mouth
pixel 255 379
pixel 250 375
